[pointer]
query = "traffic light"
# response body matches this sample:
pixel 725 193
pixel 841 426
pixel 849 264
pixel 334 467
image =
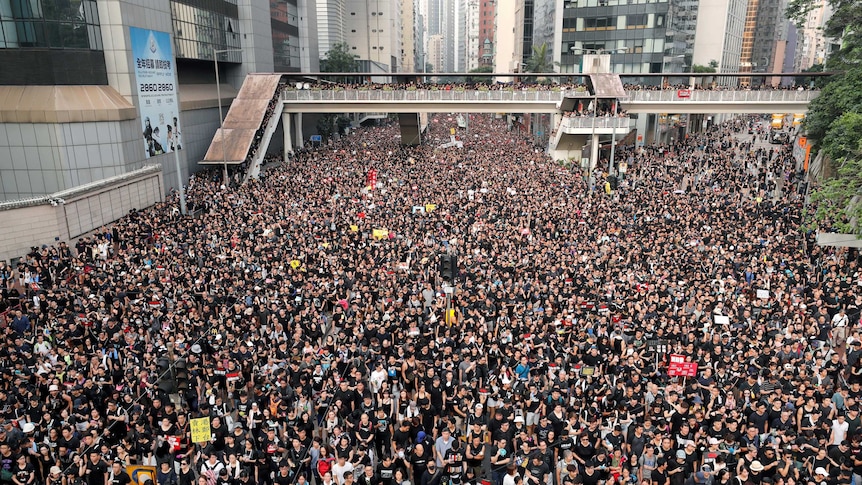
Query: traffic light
pixel 449 267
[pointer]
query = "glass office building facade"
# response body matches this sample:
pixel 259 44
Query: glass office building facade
pixel 637 33
pixel 202 26
pixel 50 42
pixel 285 35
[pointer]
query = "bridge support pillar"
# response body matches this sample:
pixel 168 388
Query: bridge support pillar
pixel 287 127
pixel 594 152
pixel 297 125
pixel 411 129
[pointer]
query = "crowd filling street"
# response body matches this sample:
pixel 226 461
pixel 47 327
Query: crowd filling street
pixel 315 317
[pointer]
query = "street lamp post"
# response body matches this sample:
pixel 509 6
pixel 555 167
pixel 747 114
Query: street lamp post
pixel 216 53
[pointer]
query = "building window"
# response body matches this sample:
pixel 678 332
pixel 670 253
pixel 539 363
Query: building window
pixel 45 23
pixel 636 21
pixel 600 23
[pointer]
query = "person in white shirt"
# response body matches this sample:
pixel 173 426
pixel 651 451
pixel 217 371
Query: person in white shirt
pixel 839 328
pixel 341 468
pixel 839 430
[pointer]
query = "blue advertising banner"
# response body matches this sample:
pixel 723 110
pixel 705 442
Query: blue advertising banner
pixel 155 74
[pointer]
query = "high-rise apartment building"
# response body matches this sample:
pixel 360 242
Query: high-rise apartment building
pixel 373 32
pixel 507 48
pixel 410 37
pixel 330 24
pixel 435 52
pixel 421 44
pixel 720 28
pixel 770 36
pixel 812 46
pixel 487 9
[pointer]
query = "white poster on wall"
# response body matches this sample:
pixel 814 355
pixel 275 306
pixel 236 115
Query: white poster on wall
pixel 155 74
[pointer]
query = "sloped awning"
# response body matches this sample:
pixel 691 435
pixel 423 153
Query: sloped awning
pixel 838 240
pixel 607 85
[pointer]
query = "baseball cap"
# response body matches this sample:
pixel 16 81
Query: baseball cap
pixel 680 454
pixel 821 471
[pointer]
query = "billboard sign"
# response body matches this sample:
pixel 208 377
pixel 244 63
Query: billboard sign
pixel 155 75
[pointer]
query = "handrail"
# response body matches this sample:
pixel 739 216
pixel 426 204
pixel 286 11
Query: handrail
pixel 254 166
pixel 685 96
pixel 526 95
pixel 601 122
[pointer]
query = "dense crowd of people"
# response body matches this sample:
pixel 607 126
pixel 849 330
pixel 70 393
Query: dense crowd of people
pixel 546 84
pixel 316 318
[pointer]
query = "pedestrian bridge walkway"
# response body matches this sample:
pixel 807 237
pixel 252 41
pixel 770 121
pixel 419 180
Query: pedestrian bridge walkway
pixel 540 101
pixel 267 101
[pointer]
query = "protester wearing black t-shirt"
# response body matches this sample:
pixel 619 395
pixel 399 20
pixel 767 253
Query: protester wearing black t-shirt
pixel 93 470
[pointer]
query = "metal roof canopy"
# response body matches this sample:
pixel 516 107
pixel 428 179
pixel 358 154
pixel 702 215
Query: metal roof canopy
pixel 838 240
pixel 606 85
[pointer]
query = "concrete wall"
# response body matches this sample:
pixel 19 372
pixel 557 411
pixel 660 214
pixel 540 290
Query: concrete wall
pixel 201 126
pixel 66 215
pixel 43 158
pixel 570 147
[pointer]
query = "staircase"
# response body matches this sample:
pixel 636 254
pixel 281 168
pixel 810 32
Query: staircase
pixel 257 160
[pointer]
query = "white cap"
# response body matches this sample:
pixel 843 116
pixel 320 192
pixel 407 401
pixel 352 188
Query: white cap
pixel 53 387
pixel 519 419
pixel 821 471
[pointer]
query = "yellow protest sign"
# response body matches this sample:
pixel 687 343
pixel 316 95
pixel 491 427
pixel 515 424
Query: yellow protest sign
pixel 450 317
pixel 380 233
pixel 430 207
pixel 140 474
pixel 201 432
pixel 354 228
pixel 295 264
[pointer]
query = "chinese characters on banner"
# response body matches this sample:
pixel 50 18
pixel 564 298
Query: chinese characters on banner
pixel 201 432
pixel 679 367
pixel 157 92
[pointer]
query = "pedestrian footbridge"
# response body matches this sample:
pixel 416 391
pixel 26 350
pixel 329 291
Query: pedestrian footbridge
pixel 267 99
pixel 540 101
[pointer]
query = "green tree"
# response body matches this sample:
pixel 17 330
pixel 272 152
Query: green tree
pixel 843 93
pixel 540 60
pixel 339 59
pixel 834 121
pixel 698 69
pixel 836 201
pixel 845 24
pixel 480 79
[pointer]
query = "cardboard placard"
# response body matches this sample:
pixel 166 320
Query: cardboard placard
pixel 200 428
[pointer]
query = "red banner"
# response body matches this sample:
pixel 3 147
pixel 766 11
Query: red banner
pixel 679 367
pixel 683 93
